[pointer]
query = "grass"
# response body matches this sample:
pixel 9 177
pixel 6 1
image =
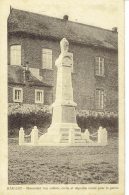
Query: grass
pixel 63 165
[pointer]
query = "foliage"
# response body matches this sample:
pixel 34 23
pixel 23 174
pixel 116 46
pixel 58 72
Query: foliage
pixel 91 122
pixel 27 116
pixel 17 108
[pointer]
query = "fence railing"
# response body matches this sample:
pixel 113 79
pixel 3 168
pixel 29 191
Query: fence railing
pixel 33 135
pixel 100 136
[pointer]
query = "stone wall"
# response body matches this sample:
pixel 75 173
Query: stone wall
pixel 84 80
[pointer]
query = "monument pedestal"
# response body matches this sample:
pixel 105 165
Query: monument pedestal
pixel 64 129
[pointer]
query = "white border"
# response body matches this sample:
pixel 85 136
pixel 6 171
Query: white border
pixel 127 95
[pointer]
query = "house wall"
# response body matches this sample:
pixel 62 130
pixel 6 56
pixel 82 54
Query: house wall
pixel 84 80
pixel 29 94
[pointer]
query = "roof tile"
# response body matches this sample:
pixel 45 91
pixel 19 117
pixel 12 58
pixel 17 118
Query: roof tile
pixel 46 26
pixel 16 76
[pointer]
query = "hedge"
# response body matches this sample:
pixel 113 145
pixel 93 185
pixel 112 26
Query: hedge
pixel 29 116
pixel 93 123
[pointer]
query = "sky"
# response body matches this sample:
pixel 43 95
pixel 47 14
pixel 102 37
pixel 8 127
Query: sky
pixel 101 13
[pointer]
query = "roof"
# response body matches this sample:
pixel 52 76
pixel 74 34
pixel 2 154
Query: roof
pixel 16 76
pixel 55 28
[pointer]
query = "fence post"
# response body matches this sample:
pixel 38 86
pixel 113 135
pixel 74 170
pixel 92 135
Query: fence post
pixel 34 136
pixel 102 136
pixel 87 135
pixel 21 136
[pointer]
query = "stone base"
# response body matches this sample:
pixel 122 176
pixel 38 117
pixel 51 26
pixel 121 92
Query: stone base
pixel 64 134
pixel 93 144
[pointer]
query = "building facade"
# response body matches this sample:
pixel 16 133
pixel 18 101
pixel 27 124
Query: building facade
pixel 33 45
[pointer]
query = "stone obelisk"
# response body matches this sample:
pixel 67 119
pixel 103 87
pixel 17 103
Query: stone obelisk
pixel 64 129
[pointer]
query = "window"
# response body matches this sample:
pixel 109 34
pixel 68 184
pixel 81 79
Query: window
pixel 39 96
pixel 46 58
pixel 17 95
pixel 99 66
pixel 99 97
pixel 72 60
pixel 15 55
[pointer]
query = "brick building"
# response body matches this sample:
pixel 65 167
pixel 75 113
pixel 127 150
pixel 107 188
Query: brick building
pixel 33 44
pixel 25 88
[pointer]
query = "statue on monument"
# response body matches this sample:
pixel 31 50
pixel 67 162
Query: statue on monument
pixel 65 58
pixel 64 46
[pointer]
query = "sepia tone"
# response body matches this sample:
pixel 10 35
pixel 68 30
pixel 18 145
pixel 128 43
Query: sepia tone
pixel 94 63
pixel 64 113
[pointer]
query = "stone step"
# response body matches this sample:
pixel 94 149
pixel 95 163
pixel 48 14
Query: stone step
pixel 80 141
pixel 66 140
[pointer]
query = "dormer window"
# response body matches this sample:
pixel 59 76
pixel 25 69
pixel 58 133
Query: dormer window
pixel 15 55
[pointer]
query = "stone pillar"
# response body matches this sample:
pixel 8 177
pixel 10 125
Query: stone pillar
pixel 34 136
pixel 87 134
pixel 102 136
pixel 21 136
pixel 64 106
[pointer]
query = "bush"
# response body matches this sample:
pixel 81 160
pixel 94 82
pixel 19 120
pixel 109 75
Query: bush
pixel 28 116
pixel 28 121
pixel 92 122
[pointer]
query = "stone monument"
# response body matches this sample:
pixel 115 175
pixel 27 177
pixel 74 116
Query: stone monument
pixel 64 129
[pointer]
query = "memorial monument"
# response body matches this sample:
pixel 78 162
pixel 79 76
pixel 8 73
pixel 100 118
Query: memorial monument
pixel 64 129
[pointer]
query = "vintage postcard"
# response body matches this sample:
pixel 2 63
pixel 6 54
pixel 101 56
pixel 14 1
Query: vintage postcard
pixel 62 97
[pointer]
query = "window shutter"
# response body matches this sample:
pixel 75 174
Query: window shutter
pixel 101 99
pixel 47 58
pixel 101 69
pixel 15 55
pixel 97 100
pixel 105 99
pixel 97 66
pixel 101 66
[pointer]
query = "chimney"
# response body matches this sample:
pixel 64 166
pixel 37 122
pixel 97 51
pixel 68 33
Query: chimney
pixel 11 8
pixel 26 72
pixel 65 17
pixel 114 29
